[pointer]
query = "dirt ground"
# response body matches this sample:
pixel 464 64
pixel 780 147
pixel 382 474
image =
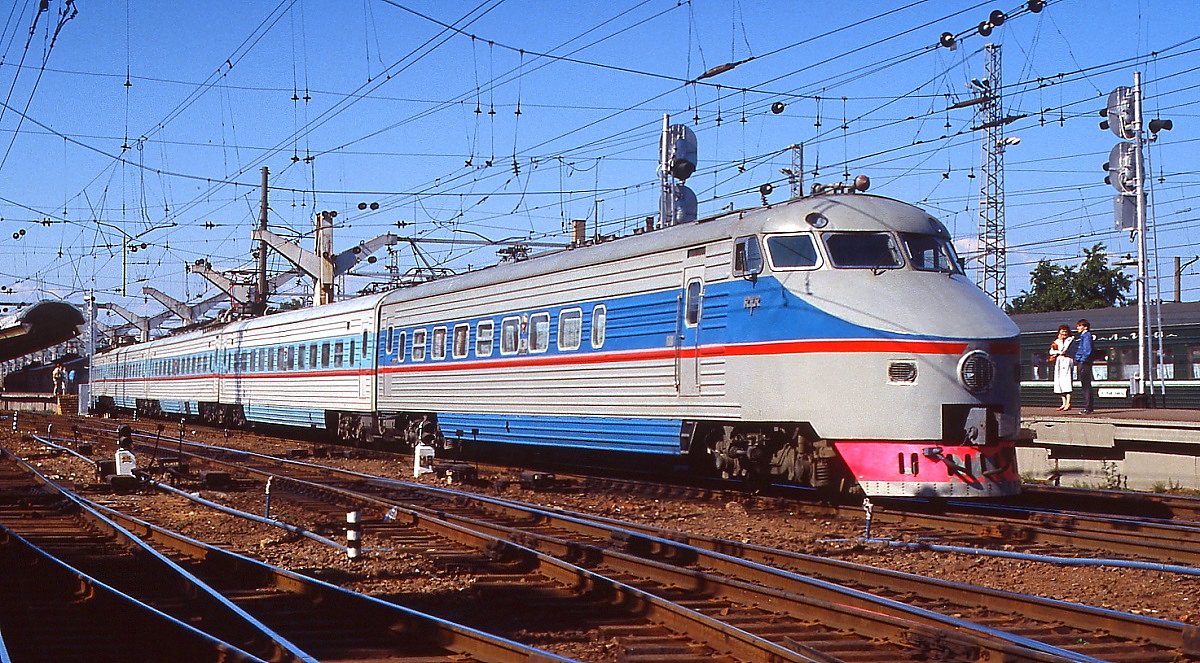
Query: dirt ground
pixel 1158 594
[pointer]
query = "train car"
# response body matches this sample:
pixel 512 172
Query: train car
pixel 303 368
pixel 1174 365
pixel 830 341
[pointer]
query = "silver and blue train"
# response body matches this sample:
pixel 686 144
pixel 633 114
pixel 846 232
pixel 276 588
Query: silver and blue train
pixel 831 341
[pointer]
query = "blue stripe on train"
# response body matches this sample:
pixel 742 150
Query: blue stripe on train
pixel 656 436
pixel 179 407
pixel 286 416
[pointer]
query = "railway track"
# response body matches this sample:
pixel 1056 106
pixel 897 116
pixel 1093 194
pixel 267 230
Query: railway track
pixel 206 597
pixel 1039 626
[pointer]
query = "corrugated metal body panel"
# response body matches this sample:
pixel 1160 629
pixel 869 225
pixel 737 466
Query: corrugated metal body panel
pixel 286 416
pixel 656 436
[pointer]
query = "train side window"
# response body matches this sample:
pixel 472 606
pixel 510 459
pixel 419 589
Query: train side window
pixel 312 356
pixel 418 349
pixel 747 257
pixel 485 338
pixel 539 332
pixel 270 359
pixel 792 251
pixel 391 340
pixel 364 344
pixel 438 348
pixel 462 336
pixel 692 303
pixel 403 339
pixel 351 355
pixel 510 336
pixel 301 354
pixel 325 355
pixel 570 329
pixel 339 354
pixel 599 324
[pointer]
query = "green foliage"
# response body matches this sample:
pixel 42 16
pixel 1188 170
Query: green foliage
pixel 1057 288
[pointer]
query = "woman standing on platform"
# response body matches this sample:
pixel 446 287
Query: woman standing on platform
pixel 1060 354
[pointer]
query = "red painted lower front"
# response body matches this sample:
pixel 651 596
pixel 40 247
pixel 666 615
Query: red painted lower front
pixel 931 469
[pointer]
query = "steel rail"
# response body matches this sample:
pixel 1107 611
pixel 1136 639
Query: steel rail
pixel 800 594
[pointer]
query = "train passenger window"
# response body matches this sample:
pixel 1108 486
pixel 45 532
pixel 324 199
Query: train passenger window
pixel 539 332
pixel 792 251
pixel 692 303
pixel 364 344
pixel 931 254
pixel 438 347
pixel 339 354
pixel 325 355
pixel 301 355
pixel 400 347
pixel 350 357
pixel 599 322
pixel 312 355
pixel 570 329
pixel 510 336
pixel 287 358
pixel 391 340
pixel 484 338
pixel 462 334
pixel 864 250
pixel 747 256
pixel 418 349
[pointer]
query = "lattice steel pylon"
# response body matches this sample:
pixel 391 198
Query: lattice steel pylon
pixel 993 265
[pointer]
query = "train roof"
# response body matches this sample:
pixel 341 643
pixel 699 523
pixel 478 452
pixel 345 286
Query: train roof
pixel 1121 317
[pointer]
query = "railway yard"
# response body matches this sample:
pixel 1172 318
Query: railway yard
pixel 492 563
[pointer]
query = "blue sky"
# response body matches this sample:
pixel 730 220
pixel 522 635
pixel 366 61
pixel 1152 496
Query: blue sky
pixel 147 123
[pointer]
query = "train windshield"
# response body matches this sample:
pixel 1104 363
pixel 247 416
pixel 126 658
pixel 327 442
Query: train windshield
pixel 791 251
pixel 863 250
pixel 931 253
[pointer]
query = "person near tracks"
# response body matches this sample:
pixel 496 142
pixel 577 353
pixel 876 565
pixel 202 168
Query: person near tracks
pixel 1061 355
pixel 1083 358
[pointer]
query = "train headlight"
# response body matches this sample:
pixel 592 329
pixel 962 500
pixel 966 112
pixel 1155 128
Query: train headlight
pixel 977 371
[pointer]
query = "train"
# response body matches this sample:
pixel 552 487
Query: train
pixel 831 341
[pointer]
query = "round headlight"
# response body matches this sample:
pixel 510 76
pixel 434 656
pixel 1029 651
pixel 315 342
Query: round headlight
pixel 977 371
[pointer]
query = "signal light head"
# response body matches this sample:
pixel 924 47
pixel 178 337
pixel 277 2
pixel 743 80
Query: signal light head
pixel 1157 125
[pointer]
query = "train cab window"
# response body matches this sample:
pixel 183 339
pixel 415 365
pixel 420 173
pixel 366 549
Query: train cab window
pixel 402 340
pixel 747 257
pixel 462 337
pixel 599 324
pixel 863 250
pixel 570 329
pixel 485 338
pixel 692 303
pixel 792 251
pixel 391 340
pixel 510 336
pixel 437 350
pixel 339 354
pixel 418 349
pixel 930 253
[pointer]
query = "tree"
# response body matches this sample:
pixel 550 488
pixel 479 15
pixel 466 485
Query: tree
pixel 1057 288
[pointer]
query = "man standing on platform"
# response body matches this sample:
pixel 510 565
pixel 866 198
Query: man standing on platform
pixel 1083 360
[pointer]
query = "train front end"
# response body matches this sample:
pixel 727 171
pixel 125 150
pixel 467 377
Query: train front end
pixel 905 370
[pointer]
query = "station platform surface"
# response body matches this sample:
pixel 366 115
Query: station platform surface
pixel 1137 448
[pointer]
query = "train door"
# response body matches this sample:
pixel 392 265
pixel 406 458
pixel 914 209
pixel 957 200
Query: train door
pixel 688 338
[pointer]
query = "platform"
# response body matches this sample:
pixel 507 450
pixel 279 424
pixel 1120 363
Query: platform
pixel 1141 449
